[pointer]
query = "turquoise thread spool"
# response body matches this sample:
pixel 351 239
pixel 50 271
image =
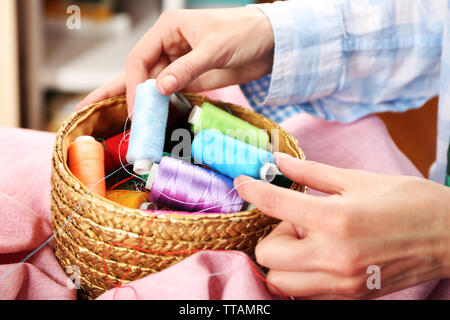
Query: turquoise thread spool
pixel 148 127
pixel 209 116
pixel 233 157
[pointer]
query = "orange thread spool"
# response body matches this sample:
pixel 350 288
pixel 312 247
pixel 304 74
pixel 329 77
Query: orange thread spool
pixel 86 161
pixel 128 198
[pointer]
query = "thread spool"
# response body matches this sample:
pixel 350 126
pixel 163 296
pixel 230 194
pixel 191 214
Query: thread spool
pixel 150 206
pixel 128 198
pixel 86 162
pixel 447 176
pixel 180 102
pixel 185 187
pixel 209 116
pixel 145 176
pixel 177 119
pixel 282 181
pixel 148 128
pixel 233 157
pixel 116 147
pixel 115 151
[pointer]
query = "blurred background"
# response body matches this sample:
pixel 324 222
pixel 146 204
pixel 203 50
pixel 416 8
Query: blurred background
pixel 48 67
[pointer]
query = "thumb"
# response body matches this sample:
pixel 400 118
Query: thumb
pixel 185 69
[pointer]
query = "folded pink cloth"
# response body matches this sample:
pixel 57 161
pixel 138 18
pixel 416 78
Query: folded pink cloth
pixel 25 217
pixel 25 166
pixel 202 276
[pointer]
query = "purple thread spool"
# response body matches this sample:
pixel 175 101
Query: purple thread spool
pixel 186 187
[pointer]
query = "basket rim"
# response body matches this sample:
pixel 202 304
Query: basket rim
pixel 131 234
pixel 70 180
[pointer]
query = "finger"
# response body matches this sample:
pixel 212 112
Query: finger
pixel 285 229
pixel 185 69
pixel 287 205
pixel 282 250
pixel 297 232
pixel 159 66
pixel 109 90
pixel 219 78
pixel 140 60
pixel 213 79
pixel 316 175
pixel 136 73
pixel 307 284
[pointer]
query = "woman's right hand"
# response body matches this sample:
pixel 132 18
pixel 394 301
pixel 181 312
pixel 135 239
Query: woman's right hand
pixel 196 50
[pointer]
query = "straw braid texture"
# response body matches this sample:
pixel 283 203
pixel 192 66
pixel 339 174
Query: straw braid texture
pixel 87 226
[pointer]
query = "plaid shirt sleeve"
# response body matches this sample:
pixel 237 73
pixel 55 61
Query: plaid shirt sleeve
pixel 341 59
pixel 440 170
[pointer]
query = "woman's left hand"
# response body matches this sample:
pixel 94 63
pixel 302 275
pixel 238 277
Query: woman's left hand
pixel 399 226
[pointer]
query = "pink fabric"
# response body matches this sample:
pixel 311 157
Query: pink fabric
pixel 25 217
pixel 202 276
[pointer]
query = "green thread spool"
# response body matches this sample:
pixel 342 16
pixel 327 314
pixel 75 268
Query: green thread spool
pixel 447 176
pixel 209 116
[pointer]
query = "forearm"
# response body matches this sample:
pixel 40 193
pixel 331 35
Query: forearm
pixel 444 247
pixel 429 213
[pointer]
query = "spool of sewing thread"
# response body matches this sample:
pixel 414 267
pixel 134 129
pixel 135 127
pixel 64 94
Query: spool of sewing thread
pixel 115 150
pixel 116 147
pixel 180 102
pixel 86 161
pixel 185 187
pixel 282 181
pixel 447 177
pixel 209 116
pixel 128 198
pixel 177 119
pixel 233 157
pixel 151 207
pixel 148 128
pixel 145 176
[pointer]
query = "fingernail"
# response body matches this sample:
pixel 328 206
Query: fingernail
pixel 280 155
pixel 237 181
pixel 168 84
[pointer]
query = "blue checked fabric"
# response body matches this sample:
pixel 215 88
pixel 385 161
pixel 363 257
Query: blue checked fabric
pixel 344 59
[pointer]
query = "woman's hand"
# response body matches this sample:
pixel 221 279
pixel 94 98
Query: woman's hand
pixel 196 50
pixel 399 224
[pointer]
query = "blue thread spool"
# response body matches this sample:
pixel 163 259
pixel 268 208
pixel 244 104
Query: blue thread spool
pixel 233 157
pixel 148 128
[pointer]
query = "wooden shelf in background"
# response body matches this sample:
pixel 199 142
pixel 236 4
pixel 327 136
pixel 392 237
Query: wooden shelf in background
pixel 9 76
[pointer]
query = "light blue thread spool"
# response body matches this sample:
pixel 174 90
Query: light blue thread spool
pixel 148 128
pixel 233 157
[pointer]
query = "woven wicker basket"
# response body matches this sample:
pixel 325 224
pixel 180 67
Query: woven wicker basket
pixel 88 227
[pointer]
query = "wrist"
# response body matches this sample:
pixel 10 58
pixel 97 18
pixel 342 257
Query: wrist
pixel 446 242
pixel 439 202
pixel 263 29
